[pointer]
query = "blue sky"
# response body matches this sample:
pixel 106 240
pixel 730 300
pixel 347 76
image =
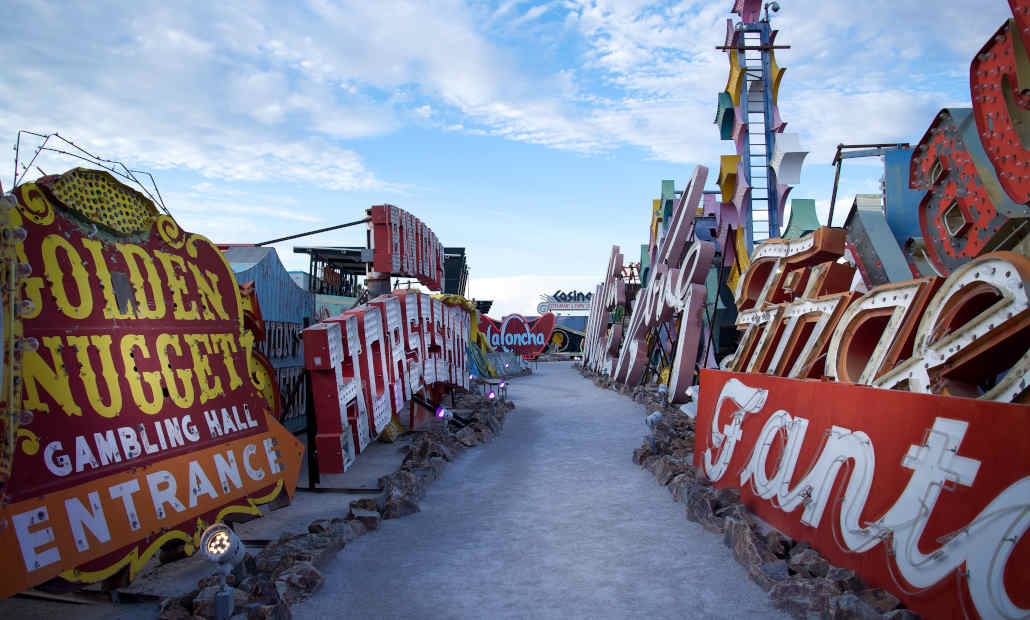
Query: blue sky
pixel 535 134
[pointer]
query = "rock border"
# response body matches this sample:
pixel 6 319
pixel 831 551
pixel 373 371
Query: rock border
pixel 286 571
pixel 799 580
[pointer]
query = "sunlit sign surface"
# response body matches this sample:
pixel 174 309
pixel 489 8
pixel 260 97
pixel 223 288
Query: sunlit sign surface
pixel 366 363
pixel 924 495
pixel 403 245
pixel 130 354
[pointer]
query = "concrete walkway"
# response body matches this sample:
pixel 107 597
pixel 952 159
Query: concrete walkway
pixel 550 520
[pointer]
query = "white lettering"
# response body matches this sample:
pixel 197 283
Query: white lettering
pixel 83 455
pixel 62 465
pixel 189 429
pixel 174 433
pixel 251 422
pixel 212 423
pixel 107 448
pixel 31 541
pixel 95 521
pixel 273 455
pixel 130 443
pixel 148 447
pixel 228 471
pixel 125 491
pixel 227 424
pixel 747 400
pixel 254 473
pixel 161 496
pixel 199 484
pixel 984 545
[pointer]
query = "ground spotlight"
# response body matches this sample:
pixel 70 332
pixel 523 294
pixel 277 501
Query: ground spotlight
pixel 221 545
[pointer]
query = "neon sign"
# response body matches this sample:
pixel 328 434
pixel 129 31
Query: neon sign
pixel 144 416
pixel 939 487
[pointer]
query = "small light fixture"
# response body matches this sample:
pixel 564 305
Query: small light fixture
pixel 491 395
pixel 16 234
pixel 221 545
pixel 27 344
pixel 501 385
pixel 443 413
pixel 8 201
pixel 27 307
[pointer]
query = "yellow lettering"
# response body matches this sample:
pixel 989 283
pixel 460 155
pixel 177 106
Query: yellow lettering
pixel 53 379
pixel 133 254
pixel 227 344
pixel 177 284
pixel 202 367
pixel 111 309
pixel 55 275
pixel 136 378
pixel 182 398
pixel 89 376
pixel 209 293
pixel 247 343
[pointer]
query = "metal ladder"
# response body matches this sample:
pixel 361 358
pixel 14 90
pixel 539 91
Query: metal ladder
pixel 758 149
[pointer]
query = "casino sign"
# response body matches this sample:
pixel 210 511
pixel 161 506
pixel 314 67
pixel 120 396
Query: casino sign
pixel 561 301
pixel 132 393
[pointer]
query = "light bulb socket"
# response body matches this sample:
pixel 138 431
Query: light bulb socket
pixel 25 418
pixel 8 201
pixel 27 344
pixel 22 270
pixel 16 234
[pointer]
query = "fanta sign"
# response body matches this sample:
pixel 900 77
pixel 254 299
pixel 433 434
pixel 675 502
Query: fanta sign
pixel 518 335
pixel 931 505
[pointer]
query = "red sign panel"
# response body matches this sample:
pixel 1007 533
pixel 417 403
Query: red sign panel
pixel 515 333
pixel 366 363
pixel 403 246
pixel 926 496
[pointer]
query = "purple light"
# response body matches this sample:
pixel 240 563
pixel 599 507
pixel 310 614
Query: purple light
pixel 440 411
pixel 471 376
pixel 491 395
pixel 501 385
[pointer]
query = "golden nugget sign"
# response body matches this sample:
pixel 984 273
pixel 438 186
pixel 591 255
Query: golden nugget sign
pixel 135 413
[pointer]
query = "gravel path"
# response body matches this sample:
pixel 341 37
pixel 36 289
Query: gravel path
pixel 550 520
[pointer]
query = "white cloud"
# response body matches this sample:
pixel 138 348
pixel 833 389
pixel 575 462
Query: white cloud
pixel 271 91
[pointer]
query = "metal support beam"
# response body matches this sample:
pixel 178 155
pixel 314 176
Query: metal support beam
pixel 315 232
pixel 869 150
pixel 833 196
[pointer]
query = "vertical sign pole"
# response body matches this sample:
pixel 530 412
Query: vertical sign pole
pixel 312 431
